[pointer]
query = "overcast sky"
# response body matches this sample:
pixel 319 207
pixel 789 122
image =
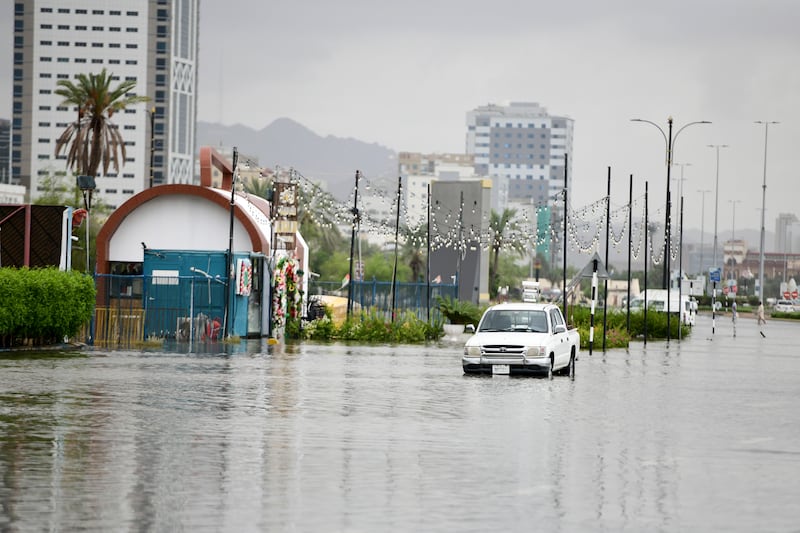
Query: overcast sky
pixel 404 74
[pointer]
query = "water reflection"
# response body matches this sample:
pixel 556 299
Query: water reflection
pixel 691 435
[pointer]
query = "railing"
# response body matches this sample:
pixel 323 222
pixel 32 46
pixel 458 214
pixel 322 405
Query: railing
pixel 137 307
pixel 377 295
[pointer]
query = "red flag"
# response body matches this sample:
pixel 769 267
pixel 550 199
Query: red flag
pixel 77 217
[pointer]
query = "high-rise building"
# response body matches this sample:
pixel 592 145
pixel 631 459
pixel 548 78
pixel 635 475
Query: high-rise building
pixel 5 151
pixel 785 228
pixel 522 148
pixel 152 42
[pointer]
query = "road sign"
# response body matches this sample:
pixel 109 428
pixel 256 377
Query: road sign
pixel 714 274
pixel 794 295
pixel 786 295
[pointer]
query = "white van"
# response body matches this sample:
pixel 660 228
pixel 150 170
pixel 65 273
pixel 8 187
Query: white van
pixel 657 301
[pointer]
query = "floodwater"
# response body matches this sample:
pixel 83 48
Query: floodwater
pixel 697 435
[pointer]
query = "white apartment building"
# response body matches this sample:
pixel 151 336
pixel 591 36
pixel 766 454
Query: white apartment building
pixel 419 171
pixel 522 148
pixel 153 42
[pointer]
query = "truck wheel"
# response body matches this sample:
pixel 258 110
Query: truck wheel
pixel 571 366
pixel 550 368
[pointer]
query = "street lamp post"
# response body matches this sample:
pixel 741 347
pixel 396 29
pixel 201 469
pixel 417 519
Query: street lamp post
pixel 670 141
pixel 152 142
pixel 87 186
pixel 702 224
pixel 680 224
pixel 733 232
pixel 766 124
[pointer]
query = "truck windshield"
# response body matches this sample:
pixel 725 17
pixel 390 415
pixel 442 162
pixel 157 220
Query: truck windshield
pixel 514 320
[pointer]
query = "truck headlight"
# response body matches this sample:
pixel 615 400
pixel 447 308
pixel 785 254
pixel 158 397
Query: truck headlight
pixel 472 351
pixel 536 351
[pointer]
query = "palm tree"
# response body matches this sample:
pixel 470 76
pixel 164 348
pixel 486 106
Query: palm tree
pixel 413 253
pixel 504 231
pixel 93 139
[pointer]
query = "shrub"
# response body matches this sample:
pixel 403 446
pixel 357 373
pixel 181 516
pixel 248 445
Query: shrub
pixel 458 311
pixel 44 305
pixel 372 326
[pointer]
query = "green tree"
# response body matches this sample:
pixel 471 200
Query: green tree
pixel 504 233
pixel 413 251
pixel 93 139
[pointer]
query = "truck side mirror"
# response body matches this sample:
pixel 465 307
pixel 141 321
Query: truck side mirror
pixel 470 328
pixel 560 328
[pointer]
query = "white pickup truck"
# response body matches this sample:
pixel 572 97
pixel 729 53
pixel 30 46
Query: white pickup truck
pixel 522 338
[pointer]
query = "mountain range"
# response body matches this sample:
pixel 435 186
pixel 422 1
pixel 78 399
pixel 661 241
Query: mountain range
pixel 329 161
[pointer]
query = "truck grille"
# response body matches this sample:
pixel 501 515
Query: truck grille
pixel 502 350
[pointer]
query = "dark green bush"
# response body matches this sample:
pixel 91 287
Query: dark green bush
pixel 617 327
pixel 459 311
pixel 42 306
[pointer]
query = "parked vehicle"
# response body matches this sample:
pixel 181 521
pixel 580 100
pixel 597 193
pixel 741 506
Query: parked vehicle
pixel 522 338
pixel 785 306
pixel 657 301
pixel 530 291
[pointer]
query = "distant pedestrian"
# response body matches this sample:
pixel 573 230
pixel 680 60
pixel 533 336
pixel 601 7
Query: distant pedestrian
pixel 761 318
pixel 734 315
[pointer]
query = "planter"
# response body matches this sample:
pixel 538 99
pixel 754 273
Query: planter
pixel 453 330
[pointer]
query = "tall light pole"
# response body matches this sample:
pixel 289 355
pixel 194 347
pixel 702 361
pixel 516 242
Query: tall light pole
pixel 670 141
pixel 733 230
pixel 766 124
pixel 716 200
pixel 680 198
pixel 702 223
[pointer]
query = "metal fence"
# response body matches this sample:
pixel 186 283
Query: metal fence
pixel 137 307
pixel 377 295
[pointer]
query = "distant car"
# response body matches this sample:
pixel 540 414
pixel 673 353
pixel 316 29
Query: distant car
pixel 784 306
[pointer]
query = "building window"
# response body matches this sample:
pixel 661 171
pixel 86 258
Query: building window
pixel 131 30
pixel 113 45
pixel 113 61
pixel 114 28
pixel 80 60
pixel 97 61
pixel 97 45
pixel 115 13
pixel 46 59
pixel 97 11
pixel 131 46
pixel 80 28
pixel 80 11
pixel 132 13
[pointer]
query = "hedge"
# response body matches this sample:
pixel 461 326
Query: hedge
pixel 43 305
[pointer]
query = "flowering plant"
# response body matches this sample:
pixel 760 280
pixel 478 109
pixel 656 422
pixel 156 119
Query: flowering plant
pixel 287 296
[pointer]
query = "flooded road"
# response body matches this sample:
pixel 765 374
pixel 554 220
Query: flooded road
pixel 698 435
